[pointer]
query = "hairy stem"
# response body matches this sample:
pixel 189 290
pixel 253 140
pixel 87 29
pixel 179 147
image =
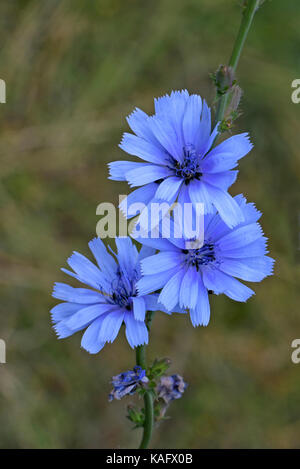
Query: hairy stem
pixel 248 15
pixel 148 400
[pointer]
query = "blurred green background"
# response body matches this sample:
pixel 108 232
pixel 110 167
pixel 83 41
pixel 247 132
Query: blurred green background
pixel 74 70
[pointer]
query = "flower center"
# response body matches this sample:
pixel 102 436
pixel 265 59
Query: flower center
pixel 121 299
pixel 122 290
pixel 201 256
pixel 189 169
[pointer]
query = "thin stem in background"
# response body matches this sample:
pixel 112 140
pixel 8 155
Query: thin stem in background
pixel 248 15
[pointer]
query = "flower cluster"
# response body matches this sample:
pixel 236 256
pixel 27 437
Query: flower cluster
pixel 183 165
pixel 127 383
pixel 171 273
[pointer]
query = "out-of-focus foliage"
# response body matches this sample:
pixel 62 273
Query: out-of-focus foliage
pixel 74 70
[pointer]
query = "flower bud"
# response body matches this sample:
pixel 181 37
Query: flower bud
pixel 224 79
pixel 159 367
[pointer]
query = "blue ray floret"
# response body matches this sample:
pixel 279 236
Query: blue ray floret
pixel 186 276
pixel 180 163
pixel 110 299
pixel 127 383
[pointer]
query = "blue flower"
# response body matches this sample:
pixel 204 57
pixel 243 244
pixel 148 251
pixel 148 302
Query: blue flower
pixel 171 387
pixel 110 300
pixel 176 143
pixel 186 276
pixel 127 382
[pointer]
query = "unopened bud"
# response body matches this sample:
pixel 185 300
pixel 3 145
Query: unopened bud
pixel 135 416
pixel 159 367
pixel 235 98
pixel 224 79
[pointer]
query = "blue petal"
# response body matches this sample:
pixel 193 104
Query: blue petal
pixel 199 195
pixel 184 223
pixel 174 232
pixel 111 325
pixel 215 227
pixel 99 285
pixel 90 339
pixel 64 310
pixel 213 279
pixel 151 216
pixel 85 315
pixel 172 106
pixel 222 180
pixel 152 304
pixel 169 295
pixel 161 262
pixel 204 129
pixel 255 249
pixel 136 331
pixel 86 270
pixel 161 244
pixel 169 188
pixel 227 207
pixel 171 109
pixel 139 147
pixel 201 314
pixel 105 261
pixel 176 309
pixel 63 331
pixel 64 292
pixel 118 169
pixel 139 308
pixel 225 156
pixel 240 237
pixel 142 195
pixel 211 139
pixel 166 135
pixel 251 214
pixel 184 197
pixel 191 120
pixel 147 173
pixel 253 269
pixel 146 251
pixel 151 283
pixel 237 291
pixel 219 282
pixel 138 122
pixel 189 289
pixel 127 255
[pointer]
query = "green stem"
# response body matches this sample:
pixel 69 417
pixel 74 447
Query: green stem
pixel 148 400
pixel 247 18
